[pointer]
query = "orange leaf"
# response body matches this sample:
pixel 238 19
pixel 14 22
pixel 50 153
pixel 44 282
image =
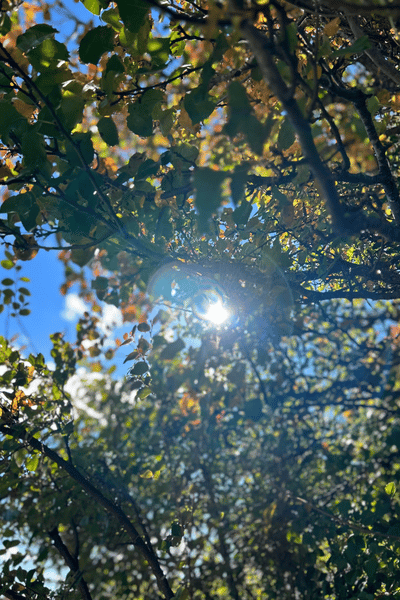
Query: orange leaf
pixel 332 27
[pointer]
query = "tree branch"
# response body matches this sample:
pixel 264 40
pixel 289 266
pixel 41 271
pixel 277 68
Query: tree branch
pixel 343 221
pixel 381 63
pixel 139 247
pixel 386 179
pixel 71 562
pixel 344 522
pixel 323 177
pixel 18 432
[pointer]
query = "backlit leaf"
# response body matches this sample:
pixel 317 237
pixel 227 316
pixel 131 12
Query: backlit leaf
pixel 95 43
pixel 108 131
pixel 34 36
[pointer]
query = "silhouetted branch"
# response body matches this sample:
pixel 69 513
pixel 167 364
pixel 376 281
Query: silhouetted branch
pixel 18 432
pixel 71 562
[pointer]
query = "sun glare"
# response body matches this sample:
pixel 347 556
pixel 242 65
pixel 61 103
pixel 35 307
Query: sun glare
pixel 217 313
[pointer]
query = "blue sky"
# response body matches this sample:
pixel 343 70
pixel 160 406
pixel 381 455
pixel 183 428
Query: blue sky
pixel 50 311
pixel 46 303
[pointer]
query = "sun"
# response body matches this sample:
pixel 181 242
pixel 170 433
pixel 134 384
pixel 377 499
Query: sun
pixel 217 313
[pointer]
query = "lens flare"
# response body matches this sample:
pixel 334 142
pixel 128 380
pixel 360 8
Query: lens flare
pixel 184 286
pixel 217 313
pixel 209 305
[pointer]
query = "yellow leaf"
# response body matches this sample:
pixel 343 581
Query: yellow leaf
pixel 31 371
pixel 147 474
pixel 332 27
pixel 19 395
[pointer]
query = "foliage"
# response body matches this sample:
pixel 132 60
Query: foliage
pixel 186 152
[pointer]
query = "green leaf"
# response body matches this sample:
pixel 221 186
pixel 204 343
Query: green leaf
pixel 152 99
pixel 286 136
pixel 147 474
pixel 83 143
pixel 81 256
pixel 71 108
pixel 239 105
pixel 373 105
pixel 140 120
pixel 371 567
pixel 358 47
pixel 94 6
pixel 172 349
pixel 291 34
pixel 95 43
pixel 32 463
pixel 7 281
pixel 100 283
pixel 111 16
pixel 166 120
pixel 11 121
pixel 181 593
pixel 7 264
pixel 140 368
pixel 242 120
pixel 176 529
pixel 115 65
pixel 132 356
pixel 28 210
pixel 11 543
pixel 390 488
pixel 108 131
pixel 238 184
pixel 143 393
pixel 209 194
pixel 5 24
pixel 242 213
pixel 48 55
pixel 279 196
pixel 49 83
pixel 198 104
pixel 133 13
pixel 6 73
pixel 146 169
pixel 34 36
pixel 33 150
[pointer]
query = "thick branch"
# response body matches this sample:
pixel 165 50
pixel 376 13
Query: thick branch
pixel 343 221
pixel 323 177
pixel 13 595
pixel 315 296
pixel 379 60
pixel 386 179
pixel 71 562
pixel 344 522
pixel 114 509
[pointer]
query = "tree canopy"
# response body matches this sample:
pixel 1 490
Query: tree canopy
pixel 226 174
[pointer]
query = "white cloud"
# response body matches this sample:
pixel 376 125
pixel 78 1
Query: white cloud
pixel 78 386
pixel 74 307
pixel 111 317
